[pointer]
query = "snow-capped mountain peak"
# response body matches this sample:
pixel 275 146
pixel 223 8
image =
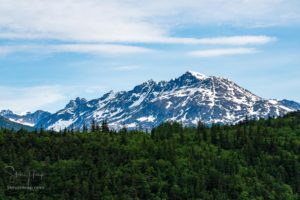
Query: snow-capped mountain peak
pixel 189 98
pixel 197 75
pixel 77 102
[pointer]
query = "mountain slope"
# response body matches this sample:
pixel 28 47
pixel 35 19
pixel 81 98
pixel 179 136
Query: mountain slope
pixel 29 119
pixel 290 104
pixel 5 123
pixel 188 98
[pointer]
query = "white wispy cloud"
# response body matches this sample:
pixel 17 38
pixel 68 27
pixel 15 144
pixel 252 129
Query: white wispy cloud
pixel 223 52
pixel 229 40
pixel 116 27
pixel 238 40
pixel 244 13
pixel 109 49
pixel 89 20
pixel 100 48
pixel 117 49
pixel 135 21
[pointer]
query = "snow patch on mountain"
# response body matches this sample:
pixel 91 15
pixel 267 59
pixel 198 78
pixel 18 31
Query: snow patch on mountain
pixel 61 124
pixel 146 119
pixel 197 75
pixel 20 121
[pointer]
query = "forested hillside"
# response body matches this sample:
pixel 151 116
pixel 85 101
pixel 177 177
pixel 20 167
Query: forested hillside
pixel 251 160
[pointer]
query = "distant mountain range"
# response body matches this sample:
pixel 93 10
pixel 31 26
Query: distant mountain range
pixel 6 123
pixel 188 99
pixel 28 119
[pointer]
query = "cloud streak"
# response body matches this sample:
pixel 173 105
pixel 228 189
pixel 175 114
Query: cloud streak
pixel 120 49
pixel 230 40
pixel 223 52
pixel 238 40
pixel 134 21
pixel 95 49
pixel 115 27
pixel 99 49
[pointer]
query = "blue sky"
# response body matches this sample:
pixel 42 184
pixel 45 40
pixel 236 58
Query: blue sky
pixel 52 51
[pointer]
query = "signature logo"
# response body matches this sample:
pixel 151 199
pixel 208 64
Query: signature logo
pixel 28 180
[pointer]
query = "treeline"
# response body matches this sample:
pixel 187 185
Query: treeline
pixel 250 160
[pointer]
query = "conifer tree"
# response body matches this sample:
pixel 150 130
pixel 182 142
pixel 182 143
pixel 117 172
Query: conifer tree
pixel 104 126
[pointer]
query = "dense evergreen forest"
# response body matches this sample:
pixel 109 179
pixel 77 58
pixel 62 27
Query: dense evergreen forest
pixel 250 160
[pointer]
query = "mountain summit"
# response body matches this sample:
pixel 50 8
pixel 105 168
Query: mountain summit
pixel 188 99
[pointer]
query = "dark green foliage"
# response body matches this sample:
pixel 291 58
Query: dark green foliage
pixel 104 127
pixel 250 160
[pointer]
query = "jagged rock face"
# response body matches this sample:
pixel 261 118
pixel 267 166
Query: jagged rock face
pixel 189 98
pixel 29 119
